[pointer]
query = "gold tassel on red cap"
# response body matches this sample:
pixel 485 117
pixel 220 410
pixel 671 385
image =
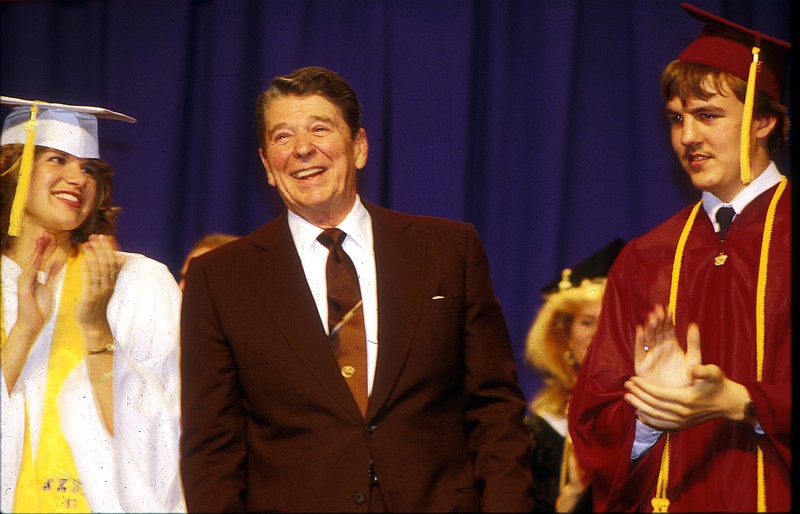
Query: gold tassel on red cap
pixel 24 178
pixel 746 173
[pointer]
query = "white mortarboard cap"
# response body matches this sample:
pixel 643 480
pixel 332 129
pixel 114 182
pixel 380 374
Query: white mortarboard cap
pixel 69 128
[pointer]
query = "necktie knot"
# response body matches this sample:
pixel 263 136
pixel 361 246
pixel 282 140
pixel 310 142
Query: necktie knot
pixel 332 236
pixel 332 239
pixel 724 218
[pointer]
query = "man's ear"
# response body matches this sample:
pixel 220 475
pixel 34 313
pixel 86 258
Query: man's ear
pixel 765 125
pixel 264 162
pixel 361 149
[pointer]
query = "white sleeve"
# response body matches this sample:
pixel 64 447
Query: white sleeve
pixel 12 407
pixel 144 316
pixel 645 438
pixel 12 414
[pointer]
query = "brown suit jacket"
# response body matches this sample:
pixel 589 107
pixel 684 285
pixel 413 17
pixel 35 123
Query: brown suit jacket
pixel 268 421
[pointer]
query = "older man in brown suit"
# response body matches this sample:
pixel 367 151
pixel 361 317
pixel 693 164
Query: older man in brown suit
pixel 426 415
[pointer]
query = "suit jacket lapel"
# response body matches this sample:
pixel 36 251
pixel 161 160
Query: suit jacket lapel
pixel 397 259
pixel 282 287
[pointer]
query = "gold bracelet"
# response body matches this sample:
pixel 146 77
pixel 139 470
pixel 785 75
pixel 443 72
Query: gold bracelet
pixel 107 348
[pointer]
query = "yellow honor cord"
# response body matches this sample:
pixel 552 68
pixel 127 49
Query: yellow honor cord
pixel 746 173
pixel 761 295
pixel 660 502
pixel 678 260
pixel 24 178
pixel 761 288
pixel 761 492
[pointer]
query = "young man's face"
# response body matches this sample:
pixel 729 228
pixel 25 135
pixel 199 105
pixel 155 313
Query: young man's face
pixel 705 136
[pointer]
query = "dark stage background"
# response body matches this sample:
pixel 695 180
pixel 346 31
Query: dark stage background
pixel 539 121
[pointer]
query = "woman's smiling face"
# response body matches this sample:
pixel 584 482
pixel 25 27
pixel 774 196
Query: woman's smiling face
pixel 63 191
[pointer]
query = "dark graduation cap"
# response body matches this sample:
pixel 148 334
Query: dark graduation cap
pixel 594 266
pixel 728 46
pixel 759 60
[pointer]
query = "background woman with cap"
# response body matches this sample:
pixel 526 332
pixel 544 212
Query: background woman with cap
pixel 89 395
pixel 556 344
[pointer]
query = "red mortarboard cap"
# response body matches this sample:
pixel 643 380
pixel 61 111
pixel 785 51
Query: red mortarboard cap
pixel 727 46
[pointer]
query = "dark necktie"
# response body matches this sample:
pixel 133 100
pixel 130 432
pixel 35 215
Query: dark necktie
pixel 724 218
pixel 346 316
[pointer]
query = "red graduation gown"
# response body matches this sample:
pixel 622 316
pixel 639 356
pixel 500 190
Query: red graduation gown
pixel 713 465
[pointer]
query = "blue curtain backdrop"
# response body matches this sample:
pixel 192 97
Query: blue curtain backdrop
pixel 539 121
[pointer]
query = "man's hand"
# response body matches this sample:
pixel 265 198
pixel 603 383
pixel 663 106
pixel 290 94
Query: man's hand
pixel 672 390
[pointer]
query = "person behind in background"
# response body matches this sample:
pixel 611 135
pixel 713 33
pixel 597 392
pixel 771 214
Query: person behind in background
pixel 684 399
pixel 377 375
pixel 89 383
pixel 204 244
pixel 556 344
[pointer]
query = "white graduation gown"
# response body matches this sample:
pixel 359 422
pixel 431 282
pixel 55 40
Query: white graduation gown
pixel 136 470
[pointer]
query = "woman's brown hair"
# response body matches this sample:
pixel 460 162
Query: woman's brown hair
pixel 103 218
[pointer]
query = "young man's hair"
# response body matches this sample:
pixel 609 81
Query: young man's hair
pixel 686 80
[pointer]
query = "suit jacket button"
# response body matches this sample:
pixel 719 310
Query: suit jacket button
pixel 359 498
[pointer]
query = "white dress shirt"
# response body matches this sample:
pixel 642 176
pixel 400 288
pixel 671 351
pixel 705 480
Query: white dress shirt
pixel 767 179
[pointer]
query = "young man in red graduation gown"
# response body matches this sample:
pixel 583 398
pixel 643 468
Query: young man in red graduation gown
pixel 684 400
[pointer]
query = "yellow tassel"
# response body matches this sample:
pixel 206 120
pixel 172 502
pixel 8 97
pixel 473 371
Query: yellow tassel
pixel 746 173
pixel 24 179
